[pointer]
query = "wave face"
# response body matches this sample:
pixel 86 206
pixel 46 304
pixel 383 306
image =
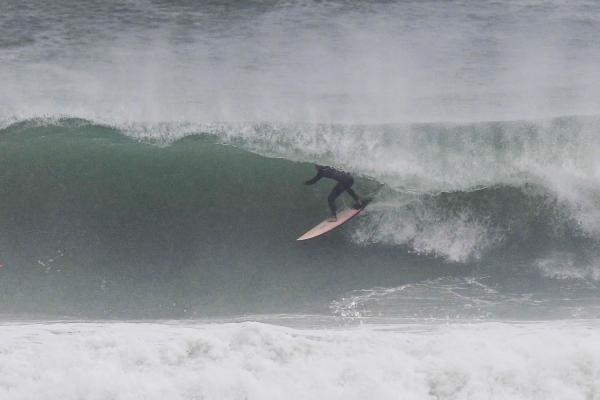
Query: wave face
pixel 103 221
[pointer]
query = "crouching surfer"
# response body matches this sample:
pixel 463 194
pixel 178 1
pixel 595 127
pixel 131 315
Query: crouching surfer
pixel 344 184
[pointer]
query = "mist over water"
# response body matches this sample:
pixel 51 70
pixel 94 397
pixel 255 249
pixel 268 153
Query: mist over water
pixel 332 61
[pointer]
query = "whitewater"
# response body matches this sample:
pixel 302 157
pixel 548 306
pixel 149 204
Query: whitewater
pixel 152 155
pixel 182 360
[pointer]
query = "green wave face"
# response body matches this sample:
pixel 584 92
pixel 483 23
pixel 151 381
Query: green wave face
pixel 96 223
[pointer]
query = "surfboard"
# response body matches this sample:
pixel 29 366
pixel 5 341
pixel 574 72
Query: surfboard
pixel 326 226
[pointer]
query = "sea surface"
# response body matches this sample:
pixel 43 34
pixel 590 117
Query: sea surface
pixel 152 155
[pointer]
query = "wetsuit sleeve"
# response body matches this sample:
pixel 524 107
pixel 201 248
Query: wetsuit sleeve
pixel 313 180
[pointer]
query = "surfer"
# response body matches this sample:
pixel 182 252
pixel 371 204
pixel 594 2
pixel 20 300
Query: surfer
pixel 344 183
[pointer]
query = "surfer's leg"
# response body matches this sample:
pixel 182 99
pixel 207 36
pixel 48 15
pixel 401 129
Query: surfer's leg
pixel 358 203
pixel 352 193
pixel 337 190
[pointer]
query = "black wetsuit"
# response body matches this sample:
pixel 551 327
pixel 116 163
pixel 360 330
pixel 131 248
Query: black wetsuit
pixel 344 183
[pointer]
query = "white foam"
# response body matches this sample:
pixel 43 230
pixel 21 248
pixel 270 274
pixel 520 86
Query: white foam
pixel 123 361
pixel 427 230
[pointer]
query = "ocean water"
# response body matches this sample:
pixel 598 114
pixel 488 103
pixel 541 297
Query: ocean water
pixel 152 155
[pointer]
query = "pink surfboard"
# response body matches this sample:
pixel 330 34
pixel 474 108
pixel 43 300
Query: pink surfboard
pixel 327 226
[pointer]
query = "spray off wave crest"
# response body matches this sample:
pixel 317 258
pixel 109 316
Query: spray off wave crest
pixel 299 60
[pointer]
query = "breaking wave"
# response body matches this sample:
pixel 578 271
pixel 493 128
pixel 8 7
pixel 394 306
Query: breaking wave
pixel 208 201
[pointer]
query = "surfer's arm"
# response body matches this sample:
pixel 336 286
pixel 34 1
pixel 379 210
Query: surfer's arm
pixel 313 180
